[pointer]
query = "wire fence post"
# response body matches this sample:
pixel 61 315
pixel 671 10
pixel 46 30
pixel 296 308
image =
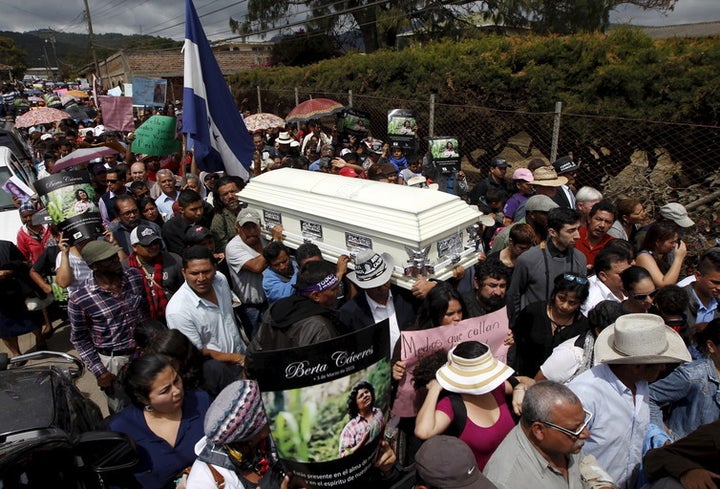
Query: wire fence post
pixel 556 132
pixel 259 99
pixel 349 98
pixel 431 116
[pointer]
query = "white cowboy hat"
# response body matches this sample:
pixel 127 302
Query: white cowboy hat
pixel 478 375
pixel 371 269
pixel 640 339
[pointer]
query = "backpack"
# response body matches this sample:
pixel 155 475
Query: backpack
pixel 459 414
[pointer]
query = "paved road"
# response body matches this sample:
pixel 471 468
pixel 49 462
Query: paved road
pixel 60 341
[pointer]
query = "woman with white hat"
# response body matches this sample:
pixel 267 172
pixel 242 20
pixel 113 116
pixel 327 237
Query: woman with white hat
pixel 482 383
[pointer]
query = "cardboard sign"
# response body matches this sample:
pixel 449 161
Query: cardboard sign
pixel 156 136
pixel 491 329
pixel 117 113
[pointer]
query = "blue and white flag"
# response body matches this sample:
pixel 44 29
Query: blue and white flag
pixel 215 129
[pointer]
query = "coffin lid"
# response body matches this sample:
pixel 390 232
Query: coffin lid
pixel 414 214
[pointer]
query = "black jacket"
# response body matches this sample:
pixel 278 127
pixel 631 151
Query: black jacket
pixel 356 314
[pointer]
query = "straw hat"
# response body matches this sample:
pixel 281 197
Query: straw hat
pixel 472 375
pixel 640 339
pixel 546 176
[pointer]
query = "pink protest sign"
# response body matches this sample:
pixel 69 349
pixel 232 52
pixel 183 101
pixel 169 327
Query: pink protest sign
pixel 491 329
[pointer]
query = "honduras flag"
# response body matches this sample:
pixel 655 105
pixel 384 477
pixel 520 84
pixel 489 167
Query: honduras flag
pixel 215 129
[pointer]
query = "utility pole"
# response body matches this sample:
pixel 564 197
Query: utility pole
pixel 52 43
pixel 47 62
pixel 91 38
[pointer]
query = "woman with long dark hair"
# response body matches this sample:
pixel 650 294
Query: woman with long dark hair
pixel 542 326
pixel 662 253
pixel 442 306
pixel 366 420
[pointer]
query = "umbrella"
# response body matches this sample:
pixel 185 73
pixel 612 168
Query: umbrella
pixel 83 155
pixel 314 109
pixel 43 115
pixel 263 120
pixel 81 113
pixel 77 94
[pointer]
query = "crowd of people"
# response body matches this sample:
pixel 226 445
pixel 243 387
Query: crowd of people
pixel 611 378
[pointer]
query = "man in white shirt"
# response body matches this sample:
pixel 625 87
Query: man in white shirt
pixel 202 309
pixel 247 263
pixel 628 354
pixel 606 284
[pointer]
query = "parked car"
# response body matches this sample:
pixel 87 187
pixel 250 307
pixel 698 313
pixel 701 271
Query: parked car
pixel 51 434
pixel 20 167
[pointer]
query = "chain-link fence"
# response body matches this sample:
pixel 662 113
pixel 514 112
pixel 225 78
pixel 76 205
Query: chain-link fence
pixel 654 161
pixel 604 145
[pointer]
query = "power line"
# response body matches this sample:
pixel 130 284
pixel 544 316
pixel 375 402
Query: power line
pixel 201 16
pixel 181 16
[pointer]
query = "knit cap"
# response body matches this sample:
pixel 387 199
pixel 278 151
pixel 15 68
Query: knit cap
pixel 237 414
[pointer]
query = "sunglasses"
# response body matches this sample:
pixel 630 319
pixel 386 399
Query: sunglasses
pixel 642 297
pixel 573 434
pixel 574 278
pixel 111 181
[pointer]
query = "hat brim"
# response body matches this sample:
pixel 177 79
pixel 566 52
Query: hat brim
pixel 555 182
pixel 379 280
pixel 145 242
pixel 481 382
pixel 685 222
pixel 676 351
pixel 107 253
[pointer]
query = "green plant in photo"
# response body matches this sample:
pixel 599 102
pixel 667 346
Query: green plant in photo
pixel 293 427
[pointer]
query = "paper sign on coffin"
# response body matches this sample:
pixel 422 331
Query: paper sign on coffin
pixel 425 231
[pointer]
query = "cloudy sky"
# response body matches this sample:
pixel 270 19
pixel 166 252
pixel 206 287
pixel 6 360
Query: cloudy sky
pixel 166 17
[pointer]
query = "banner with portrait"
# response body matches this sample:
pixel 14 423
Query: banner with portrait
pixel 149 92
pixel 491 329
pixel 402 129
pixel 445 152
pixel 353 122
pixel 69 199
pixel 328 404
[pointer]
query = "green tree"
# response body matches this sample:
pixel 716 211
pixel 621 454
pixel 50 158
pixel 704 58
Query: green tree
pixel 11 56
pixel 380 21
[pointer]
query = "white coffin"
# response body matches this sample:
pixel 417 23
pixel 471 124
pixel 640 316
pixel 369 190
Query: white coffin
pixel 425 231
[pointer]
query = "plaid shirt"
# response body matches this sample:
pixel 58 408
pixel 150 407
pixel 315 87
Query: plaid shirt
pixel 355 430
pixel 99 319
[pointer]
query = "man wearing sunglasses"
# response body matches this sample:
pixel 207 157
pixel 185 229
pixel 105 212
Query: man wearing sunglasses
pixel 544 450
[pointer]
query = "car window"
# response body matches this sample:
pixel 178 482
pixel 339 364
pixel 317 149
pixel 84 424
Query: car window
pixel 6 202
